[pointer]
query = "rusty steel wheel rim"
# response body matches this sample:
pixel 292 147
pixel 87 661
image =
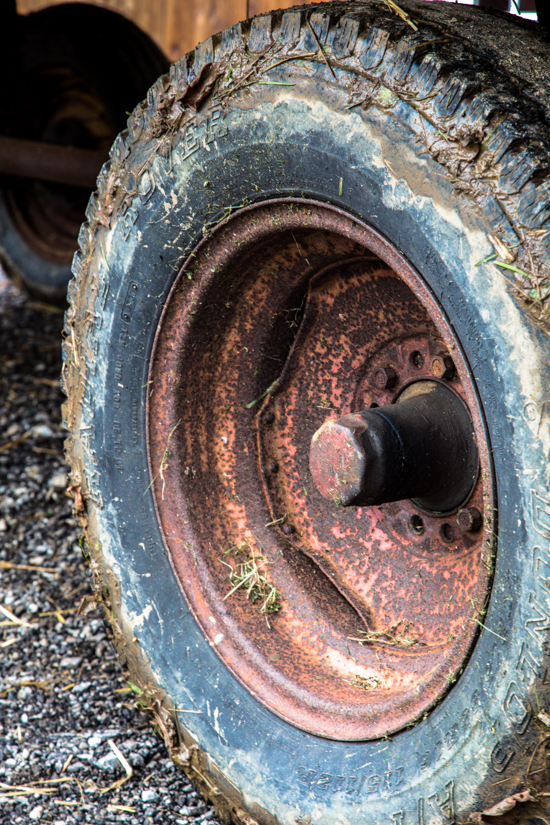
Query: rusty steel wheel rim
pixel 349 623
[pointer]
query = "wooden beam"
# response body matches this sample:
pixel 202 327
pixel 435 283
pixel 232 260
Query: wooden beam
pixel 176 26
pixel 188 23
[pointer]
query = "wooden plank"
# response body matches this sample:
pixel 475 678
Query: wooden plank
pixel 149 15
pixel 176 26
pixel 188 23
pixel 261 6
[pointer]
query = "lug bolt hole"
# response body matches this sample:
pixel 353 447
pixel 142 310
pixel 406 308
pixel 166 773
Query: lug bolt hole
pixel 417 359
pixel 416 525
pixel 446 532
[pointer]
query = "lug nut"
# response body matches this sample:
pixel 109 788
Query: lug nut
pixel 469 520
pixel 385 378
pixel 443 367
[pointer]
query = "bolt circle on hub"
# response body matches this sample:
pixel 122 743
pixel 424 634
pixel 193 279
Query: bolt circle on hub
pixel 348 622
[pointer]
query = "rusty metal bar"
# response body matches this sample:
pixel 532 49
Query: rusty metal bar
pixel 47 161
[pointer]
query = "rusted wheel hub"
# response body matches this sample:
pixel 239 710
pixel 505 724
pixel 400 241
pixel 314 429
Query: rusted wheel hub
pixel 349 622
pixel 421 447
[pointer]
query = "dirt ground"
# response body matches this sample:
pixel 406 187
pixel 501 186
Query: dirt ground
pixel 74 745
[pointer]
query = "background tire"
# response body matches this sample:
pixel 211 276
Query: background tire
pixel 417 135
pixel 75 72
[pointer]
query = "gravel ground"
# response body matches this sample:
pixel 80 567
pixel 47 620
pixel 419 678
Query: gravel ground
pixel 68 720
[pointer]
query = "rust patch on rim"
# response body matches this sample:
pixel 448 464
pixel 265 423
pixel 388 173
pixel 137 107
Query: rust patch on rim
pixel 351 622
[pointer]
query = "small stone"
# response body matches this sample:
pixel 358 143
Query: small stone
pixel 36 812
pixel 24 718
pixel 149 795
pixel 42 431
pixel 108 733
pixel 109 763
pixel 75 767
pixel 38 560
pixel 136 760
pixel 94 742
pixel 82 687
pixel 70 662
pixel 58 481
pixel 33 471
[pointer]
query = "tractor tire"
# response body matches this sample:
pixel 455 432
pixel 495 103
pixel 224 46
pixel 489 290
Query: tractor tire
pixel 323 212
pixel 76 72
